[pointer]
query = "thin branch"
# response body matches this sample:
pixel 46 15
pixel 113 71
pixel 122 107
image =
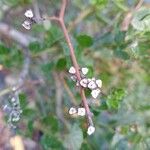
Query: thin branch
pixel 59 93
pixel 75 64
pixel 19 37
pixel 72 98
pixel 53 18
pixel 25 68
pixel 62 10
pixel 139 4
pixel 127 20
pixel 60 20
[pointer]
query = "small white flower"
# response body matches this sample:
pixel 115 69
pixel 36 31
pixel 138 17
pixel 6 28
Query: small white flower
pixel 95 93
pixel 74 78
pixel 84 82
pixel 84 71
pixel 13 100
pixel 99 83
pixel 5 107
pixel 89 80
pixel 72 70
pixel 27 24
pixel 93 79
pixel 90 130
pixel 15 119
pixel 72 111
pixel 29 13
pixel 81 111
pixel 14 88
pixel 132 129
pixel 92 85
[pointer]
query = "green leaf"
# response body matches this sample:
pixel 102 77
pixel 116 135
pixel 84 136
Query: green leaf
pixel 23 100
pixel 52 36
pixel 31 125
pixel 3 49
pixel 74 139
pixel 61 64
pixel 114 99
pixel 52 122
pixel 46 68
pixel 141 20
pixel 28 112
pixel 99 3
pixel 121 54
pixel 49 142
pixel 35 47
pixel 84 41
pixel 119 37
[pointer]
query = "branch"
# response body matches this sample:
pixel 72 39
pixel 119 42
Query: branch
pixel 59 93
pixel 60 20
pixel 25 68
pixel 127 20
pixel 72 98
pixel 19 37
pixel 62 10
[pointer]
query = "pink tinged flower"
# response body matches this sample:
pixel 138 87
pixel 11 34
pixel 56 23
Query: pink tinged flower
pixel 99 83
pixel 90 130
pixel 84 82
pixel 81 111
pixel 28 13
pixel 27 24
pixel 72 111
pixel 84 71
pixel 72 70
pixel 95 93
pixel 92 85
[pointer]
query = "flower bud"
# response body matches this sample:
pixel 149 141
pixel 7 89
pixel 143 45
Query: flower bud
pixel 92 85
pixel 28 13
pixel 84 82
pixel 90 130
pixel 72 70
pixel 72 111
pixel 81 111
pixel 99 83
pixel 84 71
pixel 95 93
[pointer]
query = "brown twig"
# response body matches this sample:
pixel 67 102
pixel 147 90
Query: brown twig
pixel 60 20
pixel 127 20
pixel 59 93
pixel 70 94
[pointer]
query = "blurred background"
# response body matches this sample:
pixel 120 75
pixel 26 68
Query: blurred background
pixel 111 38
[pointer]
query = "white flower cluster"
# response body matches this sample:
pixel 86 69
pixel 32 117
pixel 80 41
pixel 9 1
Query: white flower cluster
pixel 79 111
pixel 30 20
pixel 90 83
pixel 14 111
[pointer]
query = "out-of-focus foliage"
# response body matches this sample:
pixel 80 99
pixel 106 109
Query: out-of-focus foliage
pixel 120 59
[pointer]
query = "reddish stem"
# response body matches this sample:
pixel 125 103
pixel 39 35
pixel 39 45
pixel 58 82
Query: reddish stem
pixel 75 64
pixel 60 20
